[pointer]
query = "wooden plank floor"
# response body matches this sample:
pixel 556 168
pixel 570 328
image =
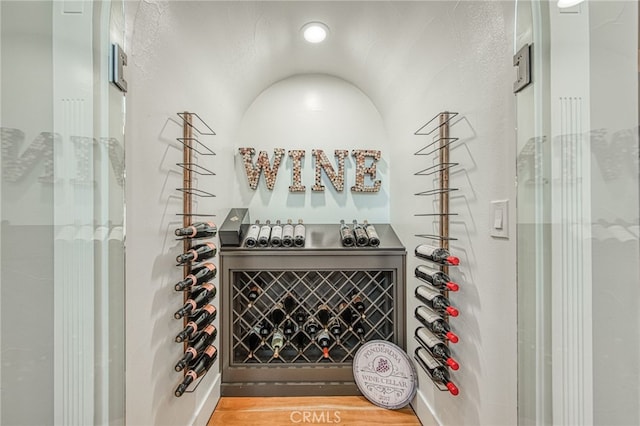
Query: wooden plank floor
pixel 278 411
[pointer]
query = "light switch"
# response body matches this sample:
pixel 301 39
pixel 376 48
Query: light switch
pixel 500 224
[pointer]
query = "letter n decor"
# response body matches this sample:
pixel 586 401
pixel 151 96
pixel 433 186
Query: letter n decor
pixel 262 164
pixel 322 163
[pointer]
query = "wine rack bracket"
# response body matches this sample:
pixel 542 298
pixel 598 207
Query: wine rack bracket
pixel 321 272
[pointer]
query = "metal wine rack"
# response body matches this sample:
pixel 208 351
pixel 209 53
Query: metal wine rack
pixel 438 149
pixel 323 272
pixel 194 129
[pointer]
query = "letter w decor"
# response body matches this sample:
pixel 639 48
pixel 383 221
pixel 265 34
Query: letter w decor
pixel 262 164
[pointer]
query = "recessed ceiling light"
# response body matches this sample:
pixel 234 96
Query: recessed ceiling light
pixel 315 32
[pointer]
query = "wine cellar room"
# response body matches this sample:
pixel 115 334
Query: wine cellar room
pixel 505 132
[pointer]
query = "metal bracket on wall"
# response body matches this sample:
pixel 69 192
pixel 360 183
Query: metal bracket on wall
pixel 522 60
pixel 118 61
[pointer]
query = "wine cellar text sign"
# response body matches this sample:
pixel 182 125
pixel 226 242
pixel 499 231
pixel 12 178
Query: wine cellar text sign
pixel 365 161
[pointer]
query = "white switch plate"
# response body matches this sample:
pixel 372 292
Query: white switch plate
pixel 499 226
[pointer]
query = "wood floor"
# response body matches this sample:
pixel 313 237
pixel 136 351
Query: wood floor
pixel 278 411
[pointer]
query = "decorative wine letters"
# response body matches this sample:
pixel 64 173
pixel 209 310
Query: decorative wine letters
pixel 322 163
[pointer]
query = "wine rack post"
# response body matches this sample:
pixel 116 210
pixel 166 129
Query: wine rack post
pixel 187 158
pixel 440 146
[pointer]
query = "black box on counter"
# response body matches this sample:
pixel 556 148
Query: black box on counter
pixel 230 233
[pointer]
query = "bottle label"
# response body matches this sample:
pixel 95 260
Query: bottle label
pixel 253 231
pixel 210 351
pixel 207 286
pixel 210 329
pixel 299 231
pixel 426 250
pixel 371 232
pixel 428 360
pixel 427 338
pixel 210 266
pixel 426 292
pixel 264 232
pixel 426 314
pixel 209 308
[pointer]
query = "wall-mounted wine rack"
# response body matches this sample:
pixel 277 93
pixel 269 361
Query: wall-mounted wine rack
pixel 438 128
pixel 194 132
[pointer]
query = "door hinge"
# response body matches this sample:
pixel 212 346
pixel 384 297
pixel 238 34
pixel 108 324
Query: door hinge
pixel 118 62
pixel 522 62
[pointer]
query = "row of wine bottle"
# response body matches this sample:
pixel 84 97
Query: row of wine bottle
pixel 360 235
pixel 289 317
pixel 278 235
pixel 433 352
pixel 198 358
pixel 198 309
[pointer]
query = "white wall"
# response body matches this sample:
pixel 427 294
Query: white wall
pixel 412 60
pixel 466 63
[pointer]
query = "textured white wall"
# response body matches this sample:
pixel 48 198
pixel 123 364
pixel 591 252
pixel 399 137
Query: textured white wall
pixel 466 66
pixel 412 60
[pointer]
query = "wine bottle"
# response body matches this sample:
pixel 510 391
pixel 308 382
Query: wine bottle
pixel 357 303
pixel 253 341
pixel 198 230
pixel 253 293
pixel 199 275
pixel 263 236
pixel 347 314
pixel 277 340
pixel 264 330
pixel 203 316
pixel 358 328
pixel 201 341
pixel 435 300
pixel 287 234
pixel 437 348
pixel 346 235
pixel 199 297
pixel 311 327
pixel 435 323
pixel 289 329
pixel 335 328
pixel 324 341
pixel 436 254
pixel 301 341
pixel 300 316
pixel 251 240
pixel 436 371
pixel 199 369
pixel 361 236
pixel 323 315
pixel 437 279
pixel 289 305
pixel 276 235
pixel 299 234
pixel 372 234
pixel 277 314
pixel 197 253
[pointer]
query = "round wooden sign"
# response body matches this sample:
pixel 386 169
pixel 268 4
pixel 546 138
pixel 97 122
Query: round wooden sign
pixel 385 374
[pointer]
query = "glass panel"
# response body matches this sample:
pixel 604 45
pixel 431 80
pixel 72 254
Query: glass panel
pixel 578 215
pixel 61 211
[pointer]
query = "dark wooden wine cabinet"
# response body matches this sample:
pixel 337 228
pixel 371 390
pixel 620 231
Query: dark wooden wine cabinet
pixel 321 272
